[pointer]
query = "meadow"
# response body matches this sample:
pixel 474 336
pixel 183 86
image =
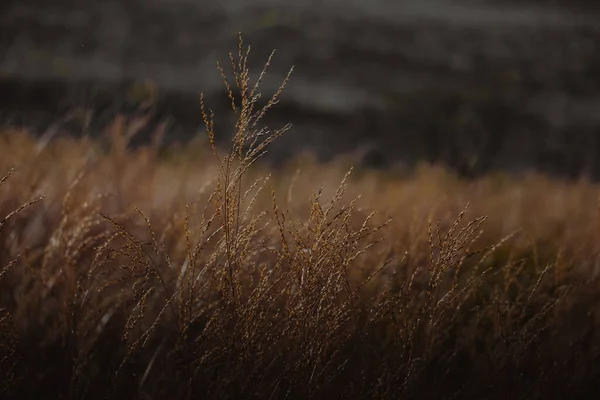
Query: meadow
pixel 199 272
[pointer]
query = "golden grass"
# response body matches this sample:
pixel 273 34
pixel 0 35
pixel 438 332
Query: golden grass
pixel 206 275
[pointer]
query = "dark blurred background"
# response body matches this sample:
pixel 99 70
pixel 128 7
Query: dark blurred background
pixel 478 85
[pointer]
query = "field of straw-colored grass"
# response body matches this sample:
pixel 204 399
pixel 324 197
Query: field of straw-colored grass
pixel 196 272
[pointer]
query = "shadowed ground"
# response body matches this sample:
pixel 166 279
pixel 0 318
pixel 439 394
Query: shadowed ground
pixel 477 85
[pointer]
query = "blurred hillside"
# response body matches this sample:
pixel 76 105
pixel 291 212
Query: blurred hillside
pixel 478 85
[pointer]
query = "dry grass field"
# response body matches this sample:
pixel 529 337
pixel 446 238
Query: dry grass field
pixel 198 272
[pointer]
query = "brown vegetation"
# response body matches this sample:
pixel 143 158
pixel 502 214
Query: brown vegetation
pixel 188 273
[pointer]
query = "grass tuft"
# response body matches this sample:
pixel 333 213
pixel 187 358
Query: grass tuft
pixel 141 276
